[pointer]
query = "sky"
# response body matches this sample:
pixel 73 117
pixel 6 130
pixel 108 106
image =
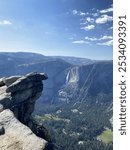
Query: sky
pixel 81 28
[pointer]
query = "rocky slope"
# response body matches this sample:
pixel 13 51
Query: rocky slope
pixel 18 130
pixel 87 81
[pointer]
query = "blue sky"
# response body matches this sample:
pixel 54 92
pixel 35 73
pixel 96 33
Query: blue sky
pixel 81 28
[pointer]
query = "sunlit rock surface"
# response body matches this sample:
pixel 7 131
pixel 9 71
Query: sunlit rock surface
pixel 18 130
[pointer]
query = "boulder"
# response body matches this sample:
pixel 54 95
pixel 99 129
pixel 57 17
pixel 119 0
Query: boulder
pixel 18 136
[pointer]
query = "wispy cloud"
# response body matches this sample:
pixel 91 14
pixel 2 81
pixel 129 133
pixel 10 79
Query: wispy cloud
pixel 106 10
pixel 111 28
pixel 88 19
pixel 89 27
pixel 106 37
pixel 91 39
pixel 79 13
pixel 75 12
pixel 95 14
pixel 82 13
pixel 104 40
pixel 107 43
pixel 104 19
pixel 5 22
pixel 80 42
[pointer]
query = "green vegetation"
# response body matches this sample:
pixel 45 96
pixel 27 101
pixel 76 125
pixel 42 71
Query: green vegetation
pixel 49 117
pixel 77 130
pixel 106 136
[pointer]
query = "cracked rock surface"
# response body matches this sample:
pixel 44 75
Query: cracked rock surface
pixel 18 130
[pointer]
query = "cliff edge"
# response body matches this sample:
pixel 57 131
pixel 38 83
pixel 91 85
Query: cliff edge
pixel 18 129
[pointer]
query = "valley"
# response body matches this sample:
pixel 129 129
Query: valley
pixel 76 105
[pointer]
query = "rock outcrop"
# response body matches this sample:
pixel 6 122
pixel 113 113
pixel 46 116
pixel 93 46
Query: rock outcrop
pixel 18 129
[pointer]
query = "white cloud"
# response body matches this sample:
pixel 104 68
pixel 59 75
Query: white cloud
pixel 95 14
pixel 75 12
pixel 111 28
pixel 104 19
pixel 106 38
pixel 108 43
pixel 106 10
pixel 91 39
pixel 83 23
pixel 78 13
pixel 88 19
pixel 99 39
pixel 5 22
pixel 82 13
pixel 89 27
pixel 80 42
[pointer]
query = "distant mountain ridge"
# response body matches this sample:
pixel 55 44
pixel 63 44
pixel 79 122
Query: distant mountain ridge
pixel 87 80
pixel 27 57
pixel 75 60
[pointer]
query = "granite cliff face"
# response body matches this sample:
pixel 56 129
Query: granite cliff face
pixel 18 130
pixel 83 82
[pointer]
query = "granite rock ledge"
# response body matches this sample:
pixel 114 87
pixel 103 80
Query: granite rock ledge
pixel 18 129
